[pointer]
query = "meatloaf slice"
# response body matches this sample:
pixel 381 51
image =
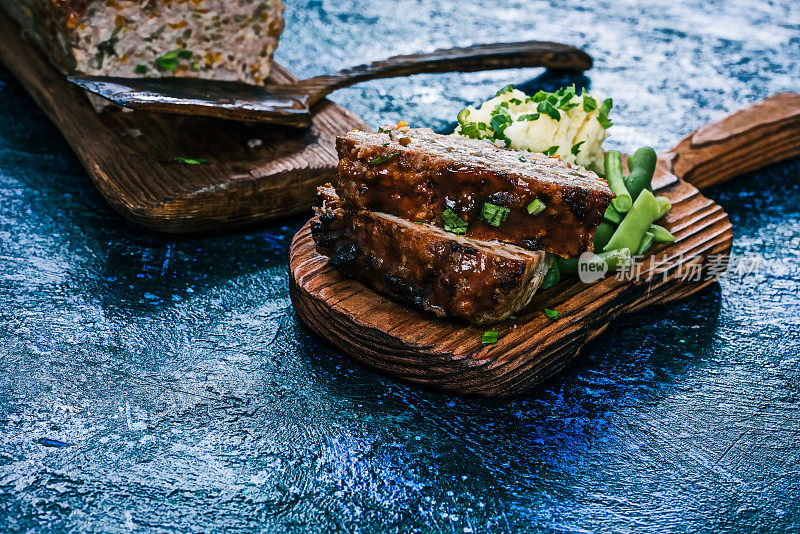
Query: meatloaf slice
pixel 228 40
pixel 417 174
pixel 420 264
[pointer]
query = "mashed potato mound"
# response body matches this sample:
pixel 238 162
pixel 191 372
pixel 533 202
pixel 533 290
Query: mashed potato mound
pixel 561 123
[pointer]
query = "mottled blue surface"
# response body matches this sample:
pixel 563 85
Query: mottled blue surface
pixel 159 383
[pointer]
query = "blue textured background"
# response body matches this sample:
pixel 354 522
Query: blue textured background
pixel 151 382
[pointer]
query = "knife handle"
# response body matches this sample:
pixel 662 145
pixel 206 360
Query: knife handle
pixel 764 133
pixel 467 59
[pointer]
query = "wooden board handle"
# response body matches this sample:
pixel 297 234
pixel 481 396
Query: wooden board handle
pixel 463 59
pixel 765 133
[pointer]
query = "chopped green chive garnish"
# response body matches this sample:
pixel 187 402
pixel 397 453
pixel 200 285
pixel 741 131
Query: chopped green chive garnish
pixel 382 159
pixel 500 122
pixel 551 314
pixel 169 61
pixel 522 158
pixel 501 119
pixel 383 130
pixel 195 66
pixel 589 103
pixel 602 116
pixel 550 151
pixel 548 109
pixel 470 129
pixel 566 90
pixel 140 69
pixel 494 215
pixel 552 105
pixel 566 95
pixel 167 64
pixel 540 96
pixel 576 148
pixel 190 161
pixel 490 336
pixel 536 207
pixel 507 89
pixel 501 110
pixel 180 53
pixel 453 223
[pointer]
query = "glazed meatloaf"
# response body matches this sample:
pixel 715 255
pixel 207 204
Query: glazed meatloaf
pixel 420 264
pixel 225 40
pixel 417 175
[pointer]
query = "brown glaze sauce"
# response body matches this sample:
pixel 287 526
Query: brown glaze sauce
pixel 436 172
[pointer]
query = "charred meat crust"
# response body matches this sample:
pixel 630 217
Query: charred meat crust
pixel 447 275
pixel 421 178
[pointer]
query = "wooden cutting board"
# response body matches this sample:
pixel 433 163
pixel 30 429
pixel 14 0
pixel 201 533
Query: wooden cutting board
pixel 254 172
pixel 450 355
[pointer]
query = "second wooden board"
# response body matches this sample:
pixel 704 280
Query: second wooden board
pixel 251 172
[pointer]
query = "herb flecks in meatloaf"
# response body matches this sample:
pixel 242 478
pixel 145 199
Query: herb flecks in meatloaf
pixel 417 174
pixel 229 40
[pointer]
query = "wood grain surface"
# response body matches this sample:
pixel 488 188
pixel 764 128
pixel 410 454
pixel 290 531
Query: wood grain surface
pixel 253 172
pixel 764 133
pixel 450 355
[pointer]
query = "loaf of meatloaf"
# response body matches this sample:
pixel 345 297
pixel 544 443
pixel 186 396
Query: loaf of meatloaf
pixel 224 40
pixel 422 265
pixel 417 174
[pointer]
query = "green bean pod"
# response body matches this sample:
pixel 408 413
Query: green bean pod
pixel 661 234
pixel 630 232
pixel 616 258
pixel 567 265
pixel 613 164
pixel 552 276
pixel 644 246
pixel 664 205
pixel 603 234
pixel 641 165
pixel 613 216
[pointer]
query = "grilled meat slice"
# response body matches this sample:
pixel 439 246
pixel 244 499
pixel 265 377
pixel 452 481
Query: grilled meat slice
pixel 420 264
pixel 229 40
pixel 416 174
